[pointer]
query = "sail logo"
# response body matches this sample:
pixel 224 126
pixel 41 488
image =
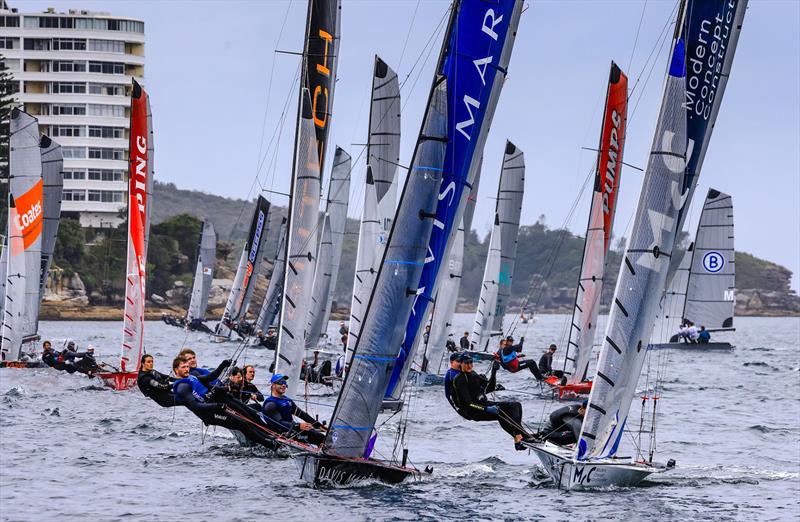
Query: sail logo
pixel 713 262
pixel 256 238
pixel 29 218
pixel 140 180
pixel 612 166
pixel 729 295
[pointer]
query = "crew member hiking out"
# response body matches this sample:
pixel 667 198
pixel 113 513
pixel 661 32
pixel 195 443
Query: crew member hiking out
pixel 154 384
pixel 452 372
pixel 565 425
pixel 511 359
pixel 279 411
pixel 469 395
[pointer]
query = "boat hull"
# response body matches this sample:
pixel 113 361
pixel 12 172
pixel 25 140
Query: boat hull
pixel 570 474
pixel 118 380
pixel 322 470
pixel 22 364
pixel 568 391
pixel 693 347
pixel 481 356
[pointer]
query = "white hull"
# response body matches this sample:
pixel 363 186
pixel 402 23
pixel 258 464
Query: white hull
pixel 569 473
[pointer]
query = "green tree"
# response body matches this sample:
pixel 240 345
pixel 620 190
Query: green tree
pixel 69 245
pixel 8 87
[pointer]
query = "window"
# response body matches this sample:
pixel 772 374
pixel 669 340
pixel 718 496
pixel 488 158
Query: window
pixel 70 110
pixel 107 196
pixel 106 175
pixel 66 23
pixel 106 67
pixel 68 131
pixel 107 154
pixel 48 21
pixel 12 88
pixel 107 46
pixel 91 23
pixel 37 44
pixel 117 111
pixel 11 64
pixel 107 89
pixel 74 66
pixel 9 21
pixel 97 131
pixel 73 152
pixel 69 44
pixel 68 87
pixel 9 43
pixel 75 174
pixel 73 195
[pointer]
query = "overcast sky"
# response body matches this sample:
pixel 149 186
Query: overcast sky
pixel 218 91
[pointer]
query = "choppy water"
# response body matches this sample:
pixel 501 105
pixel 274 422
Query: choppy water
pixel 71 450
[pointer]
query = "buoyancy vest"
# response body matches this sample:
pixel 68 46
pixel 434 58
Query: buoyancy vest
pixel 285 407
pixel 198 388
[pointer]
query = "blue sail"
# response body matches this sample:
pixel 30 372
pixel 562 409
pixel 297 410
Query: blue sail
pixel 474 60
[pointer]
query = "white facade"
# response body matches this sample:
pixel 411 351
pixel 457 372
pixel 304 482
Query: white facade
pixel 74 71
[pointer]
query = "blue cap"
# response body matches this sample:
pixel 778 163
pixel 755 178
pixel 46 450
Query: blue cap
pixel 278 378
pixel 585 403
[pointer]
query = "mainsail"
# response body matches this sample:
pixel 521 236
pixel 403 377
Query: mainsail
pixel 474 59
pixel 710 295
pixel 272 299
pixel 53 185
pixel 25 223
pixel 598 231
pixel 330 247
pixel 393 296
pixel 245 279
pixel 380 190
pixel 499 270
pixel 645 263
pixel 140 190
pixel 204 272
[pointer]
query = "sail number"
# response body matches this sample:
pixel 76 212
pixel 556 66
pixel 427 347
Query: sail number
pixel 713 262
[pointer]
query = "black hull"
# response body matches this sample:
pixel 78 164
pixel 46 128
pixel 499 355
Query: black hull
pixel 481 356
pixel 327 471
pixel 696 347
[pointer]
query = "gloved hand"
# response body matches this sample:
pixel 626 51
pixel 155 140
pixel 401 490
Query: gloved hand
pixel 494 410
pixel 225 363
pixel 522 339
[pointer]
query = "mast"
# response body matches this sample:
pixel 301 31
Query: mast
pixel 24 240
pixel 710 296
pixel 645 263
pixel 330 248
pixel 474 59
pixel 598 230
pixel 140 190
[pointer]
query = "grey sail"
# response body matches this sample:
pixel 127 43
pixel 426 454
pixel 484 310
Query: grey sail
pixel 710 295
pixel 52 187
pixel 204 272
pixel 393 297
pixel 499 269
pixel 330 248
pixel 3 271
pixel 301 247
pixel 25 223
pixel 272 299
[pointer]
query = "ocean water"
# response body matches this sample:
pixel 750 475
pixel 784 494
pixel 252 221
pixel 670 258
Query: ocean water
pixel 72 450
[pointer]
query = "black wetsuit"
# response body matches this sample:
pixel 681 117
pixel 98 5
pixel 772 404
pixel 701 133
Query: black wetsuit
pixel 510 361
pixel 565 425
pixel 546 365
pixel 464 343
pixel 202 372
pixel 310 373
pixel 157 386
pixel 268 342
pixel 248 390
pixel 87 364
pixel 198 325
pixel 279 413
pixel 469 396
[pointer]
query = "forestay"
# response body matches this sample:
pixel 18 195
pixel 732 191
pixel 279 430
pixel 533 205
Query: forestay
pixel 330 247
pixel 607 179
pixel 475 55
pixel 710 296
pixel 393 296
pixel 25 223
pixel 204 271
pixel 646 260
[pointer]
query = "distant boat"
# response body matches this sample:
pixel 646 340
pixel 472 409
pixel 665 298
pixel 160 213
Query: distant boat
pixel 679 145
pixel 271 306
pixel 140 191
pixel 203 277
pixel 703 287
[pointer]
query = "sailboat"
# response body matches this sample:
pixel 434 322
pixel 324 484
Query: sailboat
pixel 245 279
pixel 203 277
pixel 271 306
pixel 330 248
pixel 380 191
pixel 315 103
pixel 475 61
pixel 680 131
pixel 499 270
pixel 703 288
pixel 140 191
pixel 583 327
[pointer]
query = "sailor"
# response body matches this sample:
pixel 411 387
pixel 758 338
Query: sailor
pixel 469 394
pixel 703 336
pixel 87 364
pixel 546 363
pixel 464 341
pixel 249 390
pixel 341 360
pixel 510 357
pixel 691 333
pixel 343 328
pixel 234 384
pixel 154 384
pixel 450 345
pixel 50 357
pixel 191 358
pixel 279 411
pixel 565 424
pixel 427 334
pixel 271 340
pixel 310 372
pixel 452 372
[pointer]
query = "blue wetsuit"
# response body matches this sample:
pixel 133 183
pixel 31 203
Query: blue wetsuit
pixel 448 386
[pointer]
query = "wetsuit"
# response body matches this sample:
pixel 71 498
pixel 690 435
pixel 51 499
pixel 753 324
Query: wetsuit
pixel 464 343
pixel 510 361
pixel 196 324
pixel 469 394
pixel 87 364
pixel 279 413
pixel 448 386
pixel 214 376
pixel 51 359
pixel 450 345
pixel 157 386
pixel 248 390
pixel 268 342
pixel 565 426
pixel 704 337
pixel 546 365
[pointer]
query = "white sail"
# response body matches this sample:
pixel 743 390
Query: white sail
pixel 487 302
pixel 675 297
pixel 710 295
pixel 330 248
pixel 25 223
pixel 301 246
